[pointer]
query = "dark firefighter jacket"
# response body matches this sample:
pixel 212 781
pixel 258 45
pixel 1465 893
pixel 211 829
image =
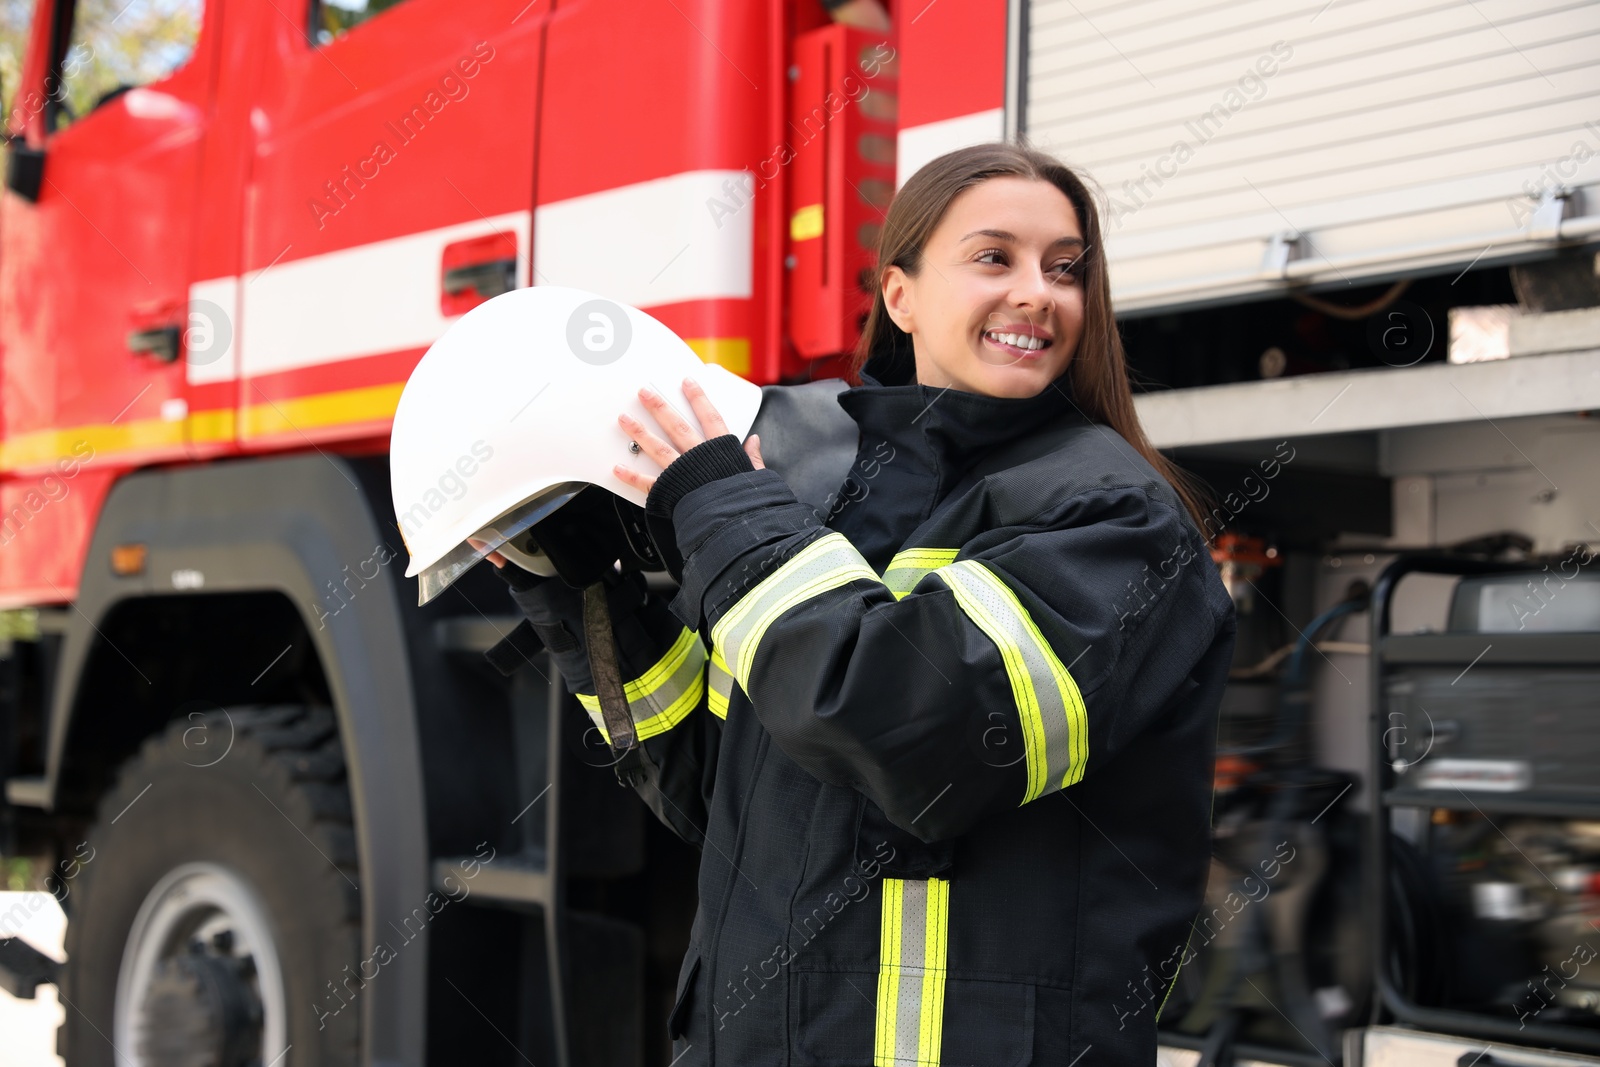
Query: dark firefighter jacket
pixel 945 741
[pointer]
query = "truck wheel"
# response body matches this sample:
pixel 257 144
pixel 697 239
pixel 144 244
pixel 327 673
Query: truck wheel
pixel 215 918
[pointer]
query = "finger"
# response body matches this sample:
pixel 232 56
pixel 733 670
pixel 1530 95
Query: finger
pixel 710 418
pixel 752 448
pixel 641 482
pixel 649 443
pixel 677 428
pixel 493 557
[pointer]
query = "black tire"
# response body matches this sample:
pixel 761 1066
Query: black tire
pixel 259 795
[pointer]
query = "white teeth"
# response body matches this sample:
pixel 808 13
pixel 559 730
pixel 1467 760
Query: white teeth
pixel 1018 340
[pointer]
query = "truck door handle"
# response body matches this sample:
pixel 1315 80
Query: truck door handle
pixel 160 343
pixel 489 278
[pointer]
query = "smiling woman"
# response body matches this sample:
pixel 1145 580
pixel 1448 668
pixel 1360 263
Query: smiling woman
pixel 891 696
pixel 995 303
pixel 995 240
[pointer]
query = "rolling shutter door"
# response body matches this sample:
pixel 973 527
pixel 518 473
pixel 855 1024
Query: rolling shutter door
pixel 1241 146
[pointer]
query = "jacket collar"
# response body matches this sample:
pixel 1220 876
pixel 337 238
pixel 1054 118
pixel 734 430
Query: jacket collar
pixel 948 428
pixel 935 437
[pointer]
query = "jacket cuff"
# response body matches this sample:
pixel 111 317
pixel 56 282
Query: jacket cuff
pixel 555 610
pixel 708 461
pixel 731 535
pixel 518 579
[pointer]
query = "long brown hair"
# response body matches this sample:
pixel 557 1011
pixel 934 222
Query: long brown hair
pixel 1098 371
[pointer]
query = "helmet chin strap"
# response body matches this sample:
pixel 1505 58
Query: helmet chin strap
pixel 631 763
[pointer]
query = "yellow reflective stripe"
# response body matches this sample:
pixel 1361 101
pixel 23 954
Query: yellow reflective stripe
pixel 888 972
pixel 1055 724
pixel 930 1036
pixel 908 567
pixel 913 943
pixel 826 563
pixel 662 696
pixel 720 684
pixel 1173 981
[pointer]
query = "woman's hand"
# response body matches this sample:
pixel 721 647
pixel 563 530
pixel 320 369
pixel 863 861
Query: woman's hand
pixel 493 557
pixel 680 434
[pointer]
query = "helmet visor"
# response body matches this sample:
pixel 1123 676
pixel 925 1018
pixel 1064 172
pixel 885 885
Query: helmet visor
pixel 432 581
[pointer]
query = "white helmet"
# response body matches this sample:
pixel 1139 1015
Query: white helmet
pixel 514 410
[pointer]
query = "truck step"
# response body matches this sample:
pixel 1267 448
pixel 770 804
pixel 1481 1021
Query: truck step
pixel 24 968
pixel 28 792
pixel 520 881
pixel 1392 1046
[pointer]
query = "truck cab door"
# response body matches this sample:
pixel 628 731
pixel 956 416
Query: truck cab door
pixel 390 189
pixel 97 248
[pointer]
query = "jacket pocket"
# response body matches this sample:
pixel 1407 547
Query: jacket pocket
pixel 831 1018
pixel 678 1020
pixel 834 1022
pixel 988 1023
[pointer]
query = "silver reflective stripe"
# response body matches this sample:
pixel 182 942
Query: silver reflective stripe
pixel 719 683
pixel 913 941
pixel 908 567
pixel 662 696
pixel 826 563
pixel 1055 724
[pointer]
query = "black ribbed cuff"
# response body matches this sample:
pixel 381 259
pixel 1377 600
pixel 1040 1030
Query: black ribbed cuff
pixel 516 577
pixel 708 461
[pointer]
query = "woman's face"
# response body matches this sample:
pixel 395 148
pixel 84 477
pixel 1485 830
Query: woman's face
pixel 997 264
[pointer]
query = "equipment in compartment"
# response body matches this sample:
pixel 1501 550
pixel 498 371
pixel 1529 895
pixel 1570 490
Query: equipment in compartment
pixel 1275 959
pixel 1499 779
pixel 1520 902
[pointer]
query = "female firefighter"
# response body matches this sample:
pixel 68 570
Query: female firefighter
pixel 947 748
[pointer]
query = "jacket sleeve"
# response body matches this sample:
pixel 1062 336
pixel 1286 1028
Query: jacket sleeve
pixel 672 694
pixel 967 679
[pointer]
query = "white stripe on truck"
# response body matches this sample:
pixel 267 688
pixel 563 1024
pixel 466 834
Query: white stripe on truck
pixel 670 240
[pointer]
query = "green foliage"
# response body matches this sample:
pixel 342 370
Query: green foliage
pixel 115 43
pixel 335 17
pixel 15 16
pixel 17 874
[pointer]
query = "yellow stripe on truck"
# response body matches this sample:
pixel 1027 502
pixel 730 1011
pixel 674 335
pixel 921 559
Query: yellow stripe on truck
pixel 373 403
pixel 40 448
pixel 261 418
pixel 730 352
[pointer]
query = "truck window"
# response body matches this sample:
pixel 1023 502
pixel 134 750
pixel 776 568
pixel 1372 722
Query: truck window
pixel 332 19
pixel 117 46
pixel 14 22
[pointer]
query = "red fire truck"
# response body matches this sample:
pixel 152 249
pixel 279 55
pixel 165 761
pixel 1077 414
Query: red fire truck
pixel 285 809
pixel 213 284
